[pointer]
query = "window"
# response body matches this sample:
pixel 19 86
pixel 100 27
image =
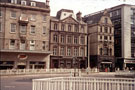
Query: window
pixel 14 1
pixel 13 27
pixel 33 17
pixel 44 30
pixel 62 39
pixel 82 40
pixel 75 40
pixel 76 28
pixel 62 51
pixel 62 27
pixel 76 52
pixel 106 20
pixel 44 18
pixel 33 28
pixel 110 38
pixel 100 28
pixel 23 2
pixel 23 29
pixel 106 28
pixel 100 37
pixel 105 51
pixel 12 44
pixel 32 45
pixel 22 44
pixel 33 3
pixel 55 38
pixel 100 51
pixel 55 51
pixel 82 53
pixel 43 45
pixel 55 26
pixel 105 38
pixel 69 28
pixel 110 29
pixel 69 52
pixel 0 27
pixel 13 14
pixel 69 39
pixel 110 52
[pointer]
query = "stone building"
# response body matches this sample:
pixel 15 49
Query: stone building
pixel 24 34
pixel 123 18
pixel 100 40
pixel 68 40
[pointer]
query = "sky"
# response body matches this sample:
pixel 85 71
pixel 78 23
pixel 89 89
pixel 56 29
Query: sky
pixel 84 6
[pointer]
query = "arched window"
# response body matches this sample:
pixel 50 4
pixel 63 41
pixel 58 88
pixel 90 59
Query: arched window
pixel 69 28
pixel 62 27
pixel 55 26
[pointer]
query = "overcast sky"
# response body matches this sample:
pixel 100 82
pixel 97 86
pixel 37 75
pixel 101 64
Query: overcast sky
pixel 84 6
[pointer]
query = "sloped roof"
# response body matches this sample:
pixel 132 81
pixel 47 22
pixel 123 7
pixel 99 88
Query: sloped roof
pixel 92 19
pixel 38 4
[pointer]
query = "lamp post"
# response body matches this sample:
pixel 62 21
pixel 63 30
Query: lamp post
pixel 74 62
pixel 88 43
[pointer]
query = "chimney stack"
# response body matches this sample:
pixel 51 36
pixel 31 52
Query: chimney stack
pixel 47 2
pixel 79 16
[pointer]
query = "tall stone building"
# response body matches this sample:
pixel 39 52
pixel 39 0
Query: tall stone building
pixel 68 40
pixel 100 40
pixel 24 34
pixel 123 18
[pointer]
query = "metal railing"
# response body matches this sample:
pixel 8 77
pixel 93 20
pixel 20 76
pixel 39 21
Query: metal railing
pixel 84 83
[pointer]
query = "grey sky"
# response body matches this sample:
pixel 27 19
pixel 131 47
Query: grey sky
pixel 85 6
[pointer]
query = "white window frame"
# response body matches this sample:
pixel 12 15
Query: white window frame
pixel 43 45
pixel 44 30
pixel 33 4
pixel 10 45
pixel 13 29
pixel 62 51
pixel 54 50
pixel 23 2
pixel 44 18
pixel 14 1
pixel 23 31
pixel 32 45
pixel 33 17
pixel 11 14
pixel 69 52
pixel 32 29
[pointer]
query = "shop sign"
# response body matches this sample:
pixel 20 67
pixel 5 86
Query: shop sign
pixel 22 56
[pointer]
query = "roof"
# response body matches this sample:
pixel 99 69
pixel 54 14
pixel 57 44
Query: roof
pixel 92 19
pixel 63 10
pixel 38 4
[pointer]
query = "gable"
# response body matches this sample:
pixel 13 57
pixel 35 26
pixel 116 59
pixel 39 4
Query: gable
pixel 69 20
pixel 102 20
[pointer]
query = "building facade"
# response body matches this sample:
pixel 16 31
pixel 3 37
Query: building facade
pixel 123 18
pixel 100 40
pixel 24 34
pixel 68 40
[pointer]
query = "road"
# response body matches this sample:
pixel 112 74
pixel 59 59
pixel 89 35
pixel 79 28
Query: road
pixel 21 82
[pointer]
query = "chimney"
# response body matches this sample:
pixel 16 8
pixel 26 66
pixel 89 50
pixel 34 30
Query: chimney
pixel 47 2
pixel 79 16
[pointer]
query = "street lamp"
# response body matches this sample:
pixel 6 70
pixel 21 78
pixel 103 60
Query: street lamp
pixel 74 62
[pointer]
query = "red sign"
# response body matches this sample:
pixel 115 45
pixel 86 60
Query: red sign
pixel 22 56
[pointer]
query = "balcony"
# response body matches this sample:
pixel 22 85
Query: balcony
pixel 23 20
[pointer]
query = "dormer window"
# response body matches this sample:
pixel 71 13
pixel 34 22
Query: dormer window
pixel 33 4
pixel 23 2
pixel 14 1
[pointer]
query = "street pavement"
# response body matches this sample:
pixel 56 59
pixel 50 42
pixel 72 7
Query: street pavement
pixel 23 82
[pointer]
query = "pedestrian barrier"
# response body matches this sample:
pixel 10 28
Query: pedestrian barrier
pixel 84 83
